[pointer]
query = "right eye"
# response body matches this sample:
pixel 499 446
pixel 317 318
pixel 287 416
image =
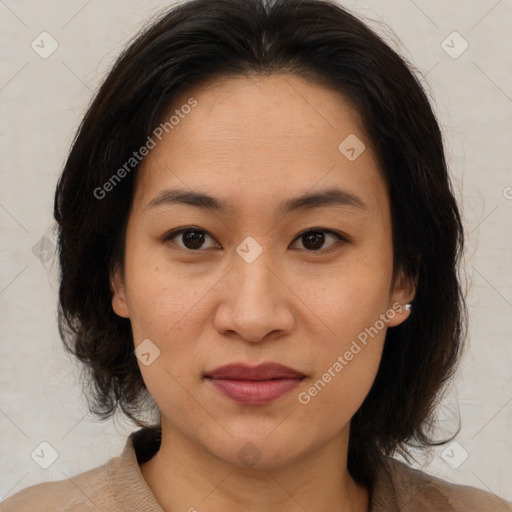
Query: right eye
pixel 192 238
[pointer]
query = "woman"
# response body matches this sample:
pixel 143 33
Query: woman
pixel 258 241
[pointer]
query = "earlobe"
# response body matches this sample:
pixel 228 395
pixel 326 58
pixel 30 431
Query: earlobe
pixel 401 299
pixel 401 312
pixel 119 302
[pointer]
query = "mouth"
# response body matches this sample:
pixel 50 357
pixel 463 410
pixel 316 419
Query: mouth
pixel 254 385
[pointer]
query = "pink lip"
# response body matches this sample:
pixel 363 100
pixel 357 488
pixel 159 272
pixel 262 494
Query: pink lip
pixel 255 385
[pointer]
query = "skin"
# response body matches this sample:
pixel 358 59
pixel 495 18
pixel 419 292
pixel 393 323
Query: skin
pixel 294 305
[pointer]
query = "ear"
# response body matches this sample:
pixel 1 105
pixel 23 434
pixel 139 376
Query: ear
pixel 119 300
pixel 403 293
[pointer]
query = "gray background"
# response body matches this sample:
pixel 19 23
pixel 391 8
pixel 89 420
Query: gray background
pixel 41 104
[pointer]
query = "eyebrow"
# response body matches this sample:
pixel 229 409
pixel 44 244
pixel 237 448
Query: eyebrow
pixel 329 197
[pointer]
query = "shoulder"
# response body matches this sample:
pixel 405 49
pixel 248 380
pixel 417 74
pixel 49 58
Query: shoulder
pixel 86 492
pixel 117 485
pixel 418 491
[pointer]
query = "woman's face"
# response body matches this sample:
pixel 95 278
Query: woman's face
pixel 248 283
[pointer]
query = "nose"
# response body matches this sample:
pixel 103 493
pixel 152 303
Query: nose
pixel 256 304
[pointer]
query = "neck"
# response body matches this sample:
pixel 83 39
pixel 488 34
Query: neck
pixel 185 476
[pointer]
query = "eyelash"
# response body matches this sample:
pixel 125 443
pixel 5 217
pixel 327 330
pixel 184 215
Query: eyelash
pixel 173 234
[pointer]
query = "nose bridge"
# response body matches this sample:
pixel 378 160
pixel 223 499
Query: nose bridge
pixel 253 277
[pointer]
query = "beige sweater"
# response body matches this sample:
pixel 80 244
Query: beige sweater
pixel 118 486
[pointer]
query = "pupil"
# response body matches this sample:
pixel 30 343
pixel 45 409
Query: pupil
pixel 315 236
pixel 195 237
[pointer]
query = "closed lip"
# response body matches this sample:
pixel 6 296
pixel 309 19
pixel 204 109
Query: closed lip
pixel 264 371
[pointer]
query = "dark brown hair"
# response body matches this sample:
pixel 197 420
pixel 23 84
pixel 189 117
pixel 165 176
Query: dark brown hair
pixel 322 42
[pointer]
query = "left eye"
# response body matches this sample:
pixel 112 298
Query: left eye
pixel 315 238
pixel 193 238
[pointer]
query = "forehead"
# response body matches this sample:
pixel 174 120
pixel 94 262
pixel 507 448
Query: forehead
pixel 253 112
pixel 251 139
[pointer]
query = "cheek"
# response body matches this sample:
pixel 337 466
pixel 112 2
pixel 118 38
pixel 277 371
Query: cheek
pixel 352 297
pixel 162 297
pixel 166 308
pixel 354 313
pixel 345 375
